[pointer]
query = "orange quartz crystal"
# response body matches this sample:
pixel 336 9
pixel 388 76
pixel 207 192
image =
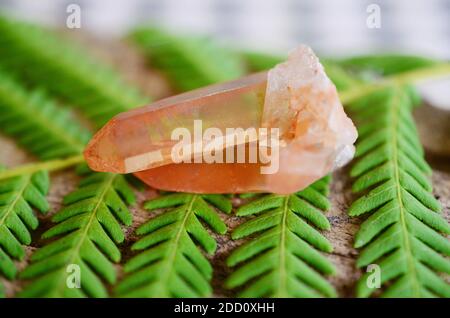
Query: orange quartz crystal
pixel 295 98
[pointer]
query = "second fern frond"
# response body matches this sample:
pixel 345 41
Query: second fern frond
pixel 282 258
pixel 17 197
pixel 37 123
pixel 189 62
pixel 86 235
pixel 401 233
pixel 42 58
pixel 170 263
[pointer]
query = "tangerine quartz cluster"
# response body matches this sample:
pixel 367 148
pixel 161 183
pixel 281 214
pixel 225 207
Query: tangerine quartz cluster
pixel 295 97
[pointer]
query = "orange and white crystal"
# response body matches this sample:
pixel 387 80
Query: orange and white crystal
pixel 296 97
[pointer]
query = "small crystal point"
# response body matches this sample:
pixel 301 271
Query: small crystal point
pixel 296 98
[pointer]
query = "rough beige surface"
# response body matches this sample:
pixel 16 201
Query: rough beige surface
pixel 342 231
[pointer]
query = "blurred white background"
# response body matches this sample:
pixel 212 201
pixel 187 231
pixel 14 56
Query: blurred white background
pixel 331 27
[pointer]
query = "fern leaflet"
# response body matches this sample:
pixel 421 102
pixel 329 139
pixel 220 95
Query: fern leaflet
pixel 400 233
pixel 170 264
pixel 388 64
pixel 40 126
pixel 17 197
pixel 40 57
pixel 282 259
pixel 189 62
pixel 86 235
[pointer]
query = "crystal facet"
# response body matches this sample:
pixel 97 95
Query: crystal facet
pixel 315 135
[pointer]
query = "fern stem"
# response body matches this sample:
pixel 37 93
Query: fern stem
pixel 176 242
pixel 395 104
pixel 50 165
pixel 414 76
pixel 76 251
pixel 282 257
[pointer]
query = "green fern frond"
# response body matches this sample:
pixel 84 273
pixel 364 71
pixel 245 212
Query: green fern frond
pixel 189 62
pixel 170 263
pixel 401 233
pixel 39 125
pixel 386 64
pixel 257 61
pixel 338 75
pixel 17 197
pixel 282 258
pixel 49 165
pixel 86 234
pixel 42 58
